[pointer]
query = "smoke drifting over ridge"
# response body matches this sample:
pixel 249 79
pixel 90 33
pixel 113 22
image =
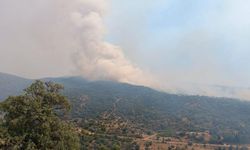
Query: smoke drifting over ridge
pixel 95 58
pixel 66 35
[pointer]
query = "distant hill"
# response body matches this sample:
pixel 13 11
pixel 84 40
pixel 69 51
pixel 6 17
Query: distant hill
pixel 147 108
pixel 12 85
pixel 159 111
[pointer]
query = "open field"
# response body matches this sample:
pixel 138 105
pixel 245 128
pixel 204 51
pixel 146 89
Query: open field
pixel 151 142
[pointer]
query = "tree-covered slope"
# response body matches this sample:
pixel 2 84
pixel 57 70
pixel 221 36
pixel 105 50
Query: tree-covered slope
pixel 153 110
pixel 12 85
pixel 159 111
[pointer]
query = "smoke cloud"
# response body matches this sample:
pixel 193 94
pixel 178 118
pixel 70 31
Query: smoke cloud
pixel 191 48
pixel 57 35
pixel 95 58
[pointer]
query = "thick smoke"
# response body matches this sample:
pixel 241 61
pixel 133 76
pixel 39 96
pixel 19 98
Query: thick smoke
pixel 67 37
pixel 48 36
pixel 95 58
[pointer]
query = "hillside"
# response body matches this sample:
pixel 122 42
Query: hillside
pixel 12 85
pixel 136 109
pixel 158 111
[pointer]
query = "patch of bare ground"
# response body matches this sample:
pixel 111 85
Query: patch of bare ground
pixel 152 142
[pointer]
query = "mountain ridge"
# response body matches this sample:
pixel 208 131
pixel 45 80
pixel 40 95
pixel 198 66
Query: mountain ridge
pixel 12 85
pixel 147 109
pixel 6 77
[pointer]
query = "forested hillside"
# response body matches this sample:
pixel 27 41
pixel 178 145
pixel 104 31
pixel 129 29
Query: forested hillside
pixel 148 110
pixel 12 85
pixel 158 111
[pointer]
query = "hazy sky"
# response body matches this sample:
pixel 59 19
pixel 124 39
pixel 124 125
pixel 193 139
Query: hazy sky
pixel 176 41
pixel 190 41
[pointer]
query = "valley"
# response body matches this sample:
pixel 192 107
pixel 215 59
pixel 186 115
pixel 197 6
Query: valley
pixel 116 115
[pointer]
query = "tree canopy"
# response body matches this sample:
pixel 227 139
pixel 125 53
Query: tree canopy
pixel 31 120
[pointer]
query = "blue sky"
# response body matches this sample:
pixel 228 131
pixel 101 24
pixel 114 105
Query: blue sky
pixel 201 39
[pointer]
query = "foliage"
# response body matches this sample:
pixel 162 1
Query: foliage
pixel 31 120
pixel 105 141
pixel 160 111
pixel 155 111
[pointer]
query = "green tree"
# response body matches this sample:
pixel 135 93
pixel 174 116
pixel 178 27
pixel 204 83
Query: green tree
pixel 31 121
pixel 116 147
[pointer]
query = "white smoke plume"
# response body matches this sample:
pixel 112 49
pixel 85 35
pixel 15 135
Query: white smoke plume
pixel 95 58
pixel 46 36
pixel 40 38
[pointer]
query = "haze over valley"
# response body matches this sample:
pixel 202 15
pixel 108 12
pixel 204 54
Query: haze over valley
pixel 125 75
pixel 174 46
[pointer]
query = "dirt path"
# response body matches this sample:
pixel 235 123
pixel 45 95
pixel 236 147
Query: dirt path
pixel 111 112
pixel 149 137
